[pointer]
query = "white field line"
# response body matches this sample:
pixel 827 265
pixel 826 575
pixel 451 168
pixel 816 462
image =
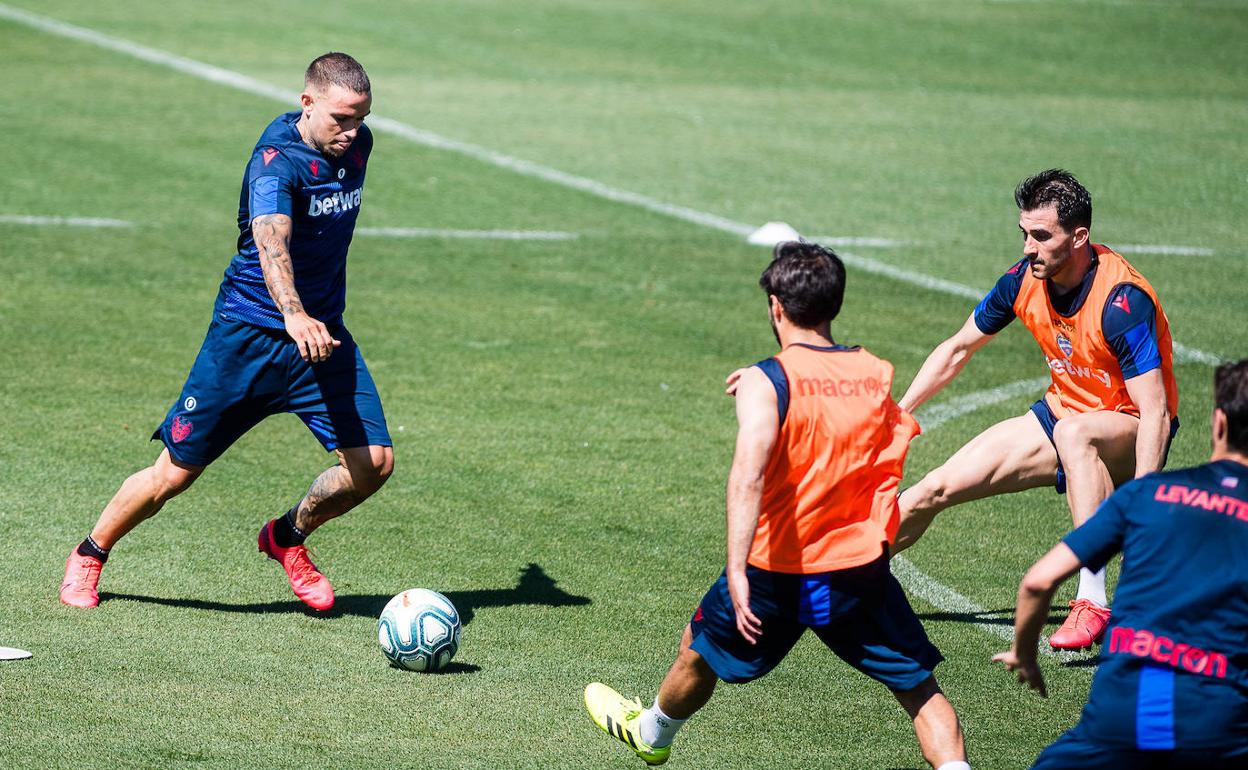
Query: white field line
pixel 500 235
pixel 27 219
pixel 917 580
pixel 940 596
pixel 526 168
pixel 932 417
pixel 857 240
pixel 1147 248
pixel 932 591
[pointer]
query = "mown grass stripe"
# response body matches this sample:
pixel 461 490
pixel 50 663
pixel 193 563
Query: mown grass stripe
pixel 526 168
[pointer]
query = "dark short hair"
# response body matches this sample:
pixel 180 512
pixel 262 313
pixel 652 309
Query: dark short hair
pixel 1230 394
pixel 809 281
pixel 337 69
pixel 1074 202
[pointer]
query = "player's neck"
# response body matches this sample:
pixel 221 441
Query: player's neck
pixel 1079 265
pixel 820 337
pixel 302 127
pixel 1221 453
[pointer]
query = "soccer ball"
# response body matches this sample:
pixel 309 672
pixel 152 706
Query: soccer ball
pixel 419 630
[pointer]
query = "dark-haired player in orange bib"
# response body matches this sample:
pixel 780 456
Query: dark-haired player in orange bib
pixel 812 506
pixel 1111 410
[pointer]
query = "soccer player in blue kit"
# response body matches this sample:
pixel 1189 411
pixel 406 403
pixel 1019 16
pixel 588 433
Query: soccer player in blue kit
pixel 277 342
pixel 1172 687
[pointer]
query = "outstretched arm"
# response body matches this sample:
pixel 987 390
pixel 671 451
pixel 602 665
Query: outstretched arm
pixel 943 364
pixel 1148 392
pixel 271 233
pixel 758 424
pixel 1035 594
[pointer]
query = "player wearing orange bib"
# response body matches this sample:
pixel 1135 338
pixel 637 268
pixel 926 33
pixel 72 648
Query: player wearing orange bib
pixel 1111 410
pixel 812 506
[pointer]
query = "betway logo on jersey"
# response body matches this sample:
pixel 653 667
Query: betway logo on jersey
pixel 1163 649
pixel 1066 366
pixel 334 204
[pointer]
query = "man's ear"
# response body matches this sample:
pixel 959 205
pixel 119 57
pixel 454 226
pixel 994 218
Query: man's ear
pixel 1221 426
pixel 1080 236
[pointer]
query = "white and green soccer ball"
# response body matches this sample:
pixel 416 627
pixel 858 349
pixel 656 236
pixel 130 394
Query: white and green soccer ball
pixel 419 630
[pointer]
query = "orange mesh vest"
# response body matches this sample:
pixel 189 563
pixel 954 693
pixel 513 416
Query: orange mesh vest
pixel 1085 372
pixel 830 486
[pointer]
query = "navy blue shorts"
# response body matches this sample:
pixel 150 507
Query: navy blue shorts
pixel 1048 421
pixel 861 614
pixel 1074 751
pixel 244 373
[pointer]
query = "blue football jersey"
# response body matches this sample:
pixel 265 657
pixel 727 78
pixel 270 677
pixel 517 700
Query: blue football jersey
pixel 321 195
pixel 1174 666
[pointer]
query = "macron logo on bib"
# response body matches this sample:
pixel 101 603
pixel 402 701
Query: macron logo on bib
pixel 333 204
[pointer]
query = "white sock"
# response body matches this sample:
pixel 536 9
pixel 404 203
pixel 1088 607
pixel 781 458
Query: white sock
pixel 657 728
pixel 957 764
pixel 1092 587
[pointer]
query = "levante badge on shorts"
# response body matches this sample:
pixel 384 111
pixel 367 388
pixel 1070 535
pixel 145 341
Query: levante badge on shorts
pixel 181 429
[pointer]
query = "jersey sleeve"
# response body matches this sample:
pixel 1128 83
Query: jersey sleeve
pixel 995 311
pixel 1130 327
pixel 780 381
pixel 1097 540
pixel 271 183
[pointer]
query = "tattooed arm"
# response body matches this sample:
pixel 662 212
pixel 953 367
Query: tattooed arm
pixel 272 236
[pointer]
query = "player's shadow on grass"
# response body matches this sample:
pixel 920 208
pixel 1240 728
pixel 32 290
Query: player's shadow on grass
pixel 1002 617
pixel 534 587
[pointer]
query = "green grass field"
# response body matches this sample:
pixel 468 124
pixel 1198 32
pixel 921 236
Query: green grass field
pixel 561 436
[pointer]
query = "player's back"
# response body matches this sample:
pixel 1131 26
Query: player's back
pixel 830 485
pixel 1175 654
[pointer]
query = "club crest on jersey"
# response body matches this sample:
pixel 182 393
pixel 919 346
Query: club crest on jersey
pixel 315 165
pixel 181 429
pixel 268 154
pixel 1063 342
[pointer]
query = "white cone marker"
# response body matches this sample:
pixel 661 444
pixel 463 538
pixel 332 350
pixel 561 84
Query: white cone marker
pixel 772 233
pixel 12 653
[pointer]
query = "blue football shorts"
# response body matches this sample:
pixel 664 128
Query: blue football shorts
pixel 861 614
pixel 1048 421
pixel 1075 751
pixel 244 373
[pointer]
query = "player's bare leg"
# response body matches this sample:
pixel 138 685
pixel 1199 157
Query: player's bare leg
pixel 689 683
pixel 1098 453
pixel 935 723
pixel 360 472
pixel 1010 456
pixel 140 497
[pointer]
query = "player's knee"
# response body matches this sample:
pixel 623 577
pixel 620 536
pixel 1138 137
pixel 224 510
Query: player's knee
pixel 693 666
pixel 173 480
pixel 1072 438
pixel 931 494
pixel 370 475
